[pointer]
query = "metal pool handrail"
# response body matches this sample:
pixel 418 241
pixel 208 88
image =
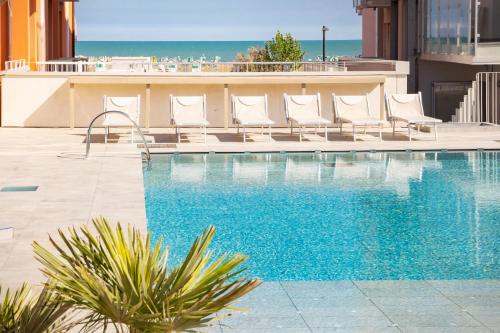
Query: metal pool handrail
pixel 87 149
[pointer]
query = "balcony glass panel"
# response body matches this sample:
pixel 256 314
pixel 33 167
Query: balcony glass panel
pixel 447 26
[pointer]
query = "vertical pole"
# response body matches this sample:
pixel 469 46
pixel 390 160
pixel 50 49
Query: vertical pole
pixel 476 26
pixel 226 106
pixel 324 43
pixel 394 29
pixel 382 101
pixel 71 105
pixel 147 115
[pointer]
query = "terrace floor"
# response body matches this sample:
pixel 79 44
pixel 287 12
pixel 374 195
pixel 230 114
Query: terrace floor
pixel 73 190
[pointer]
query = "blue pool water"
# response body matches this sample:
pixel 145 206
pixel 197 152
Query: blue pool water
pixel 335 216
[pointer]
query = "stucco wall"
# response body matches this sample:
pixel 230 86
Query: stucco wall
pixel 44 101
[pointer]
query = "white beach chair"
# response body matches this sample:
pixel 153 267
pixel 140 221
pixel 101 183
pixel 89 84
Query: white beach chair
pixel 188 111
pixel 305 110
pixel 129 105
pixel 250 111
pixel 356 111
pixel 408 108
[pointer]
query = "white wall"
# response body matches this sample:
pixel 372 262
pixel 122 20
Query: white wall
pixel 44 100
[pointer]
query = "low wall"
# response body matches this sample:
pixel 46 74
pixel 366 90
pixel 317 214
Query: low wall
pixel 72 100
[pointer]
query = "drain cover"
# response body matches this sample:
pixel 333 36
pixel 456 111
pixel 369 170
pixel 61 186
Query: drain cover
pixel 19 189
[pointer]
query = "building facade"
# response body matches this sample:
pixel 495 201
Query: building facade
pixel 447 42
pixel 36 30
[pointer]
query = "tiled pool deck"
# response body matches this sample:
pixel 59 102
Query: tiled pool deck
pixel 72 190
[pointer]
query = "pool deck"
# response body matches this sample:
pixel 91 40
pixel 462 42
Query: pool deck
pixel 73 190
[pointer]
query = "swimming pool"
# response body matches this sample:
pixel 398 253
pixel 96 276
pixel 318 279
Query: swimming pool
pixel 335 216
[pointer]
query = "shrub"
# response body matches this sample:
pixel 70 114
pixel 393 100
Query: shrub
pixel 118 279
pixel 282 48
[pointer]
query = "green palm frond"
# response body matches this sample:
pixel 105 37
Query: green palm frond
pixel 121 280
pixel 26 311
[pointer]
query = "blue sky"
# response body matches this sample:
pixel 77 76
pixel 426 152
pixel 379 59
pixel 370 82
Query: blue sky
pixel 214 20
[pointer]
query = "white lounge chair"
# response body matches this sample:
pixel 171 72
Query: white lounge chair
pixel 249 111
pixel 129 105
pixel 408 108
pixel 188 111
pixel 305 110
pixel 356 111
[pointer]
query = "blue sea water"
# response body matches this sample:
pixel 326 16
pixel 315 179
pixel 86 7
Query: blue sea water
pixel 227 50
pixel 360 216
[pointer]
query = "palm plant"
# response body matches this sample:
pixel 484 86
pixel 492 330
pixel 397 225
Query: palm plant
pixel 120 280
pixel 25 311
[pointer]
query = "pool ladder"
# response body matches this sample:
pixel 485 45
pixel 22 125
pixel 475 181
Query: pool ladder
pixel 89 130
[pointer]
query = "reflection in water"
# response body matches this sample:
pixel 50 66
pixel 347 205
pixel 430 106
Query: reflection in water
pixel 391 171
pixel 421 215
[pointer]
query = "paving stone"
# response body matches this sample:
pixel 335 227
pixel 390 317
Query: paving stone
pixel 347 321
pixel 243 321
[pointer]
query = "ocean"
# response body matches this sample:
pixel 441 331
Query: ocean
pixel 226 50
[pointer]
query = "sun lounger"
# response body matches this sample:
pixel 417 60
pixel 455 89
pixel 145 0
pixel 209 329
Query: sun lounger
pixel 130 105
pixel 356 111
pixel 304 111
pixel 188 111
pixel 408 108
pixel 250 111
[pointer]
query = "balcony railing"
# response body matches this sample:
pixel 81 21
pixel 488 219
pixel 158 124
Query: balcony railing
pixel 147 66
pixel 460 27
pixel 16 65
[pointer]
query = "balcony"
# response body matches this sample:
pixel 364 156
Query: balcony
pixel 362 4
pixel 462 31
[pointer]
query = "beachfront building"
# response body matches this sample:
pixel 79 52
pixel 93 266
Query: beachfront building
pixel 35 30
pixel 447 43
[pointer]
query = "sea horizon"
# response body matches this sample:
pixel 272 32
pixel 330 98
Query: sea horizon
pixel 226 50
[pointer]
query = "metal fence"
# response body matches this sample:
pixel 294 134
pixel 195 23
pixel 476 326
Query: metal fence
pixel 16 65
pixel 482 102
pixel 138 66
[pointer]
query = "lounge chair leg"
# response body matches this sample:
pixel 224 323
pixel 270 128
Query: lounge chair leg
pixel 205 134
pixel 393 128
pixel 178 135
pixel 106 133
pixel 340 127
pixel 380 132
pixel 270 138
pixel 244 134
pixel 238 129
pixel 409 131
pixel 435 132
pixel 300 133
pixel 364 130
pixel 326 133
pixel 353 133
pixel 291 128
pixel 262 130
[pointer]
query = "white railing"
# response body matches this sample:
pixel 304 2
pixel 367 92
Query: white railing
pixel 481 103
pixel 246 67
pixel 66 66
pixel 16 65
pixel 122 65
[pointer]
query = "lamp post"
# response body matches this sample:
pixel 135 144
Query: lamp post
pixel 324 29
